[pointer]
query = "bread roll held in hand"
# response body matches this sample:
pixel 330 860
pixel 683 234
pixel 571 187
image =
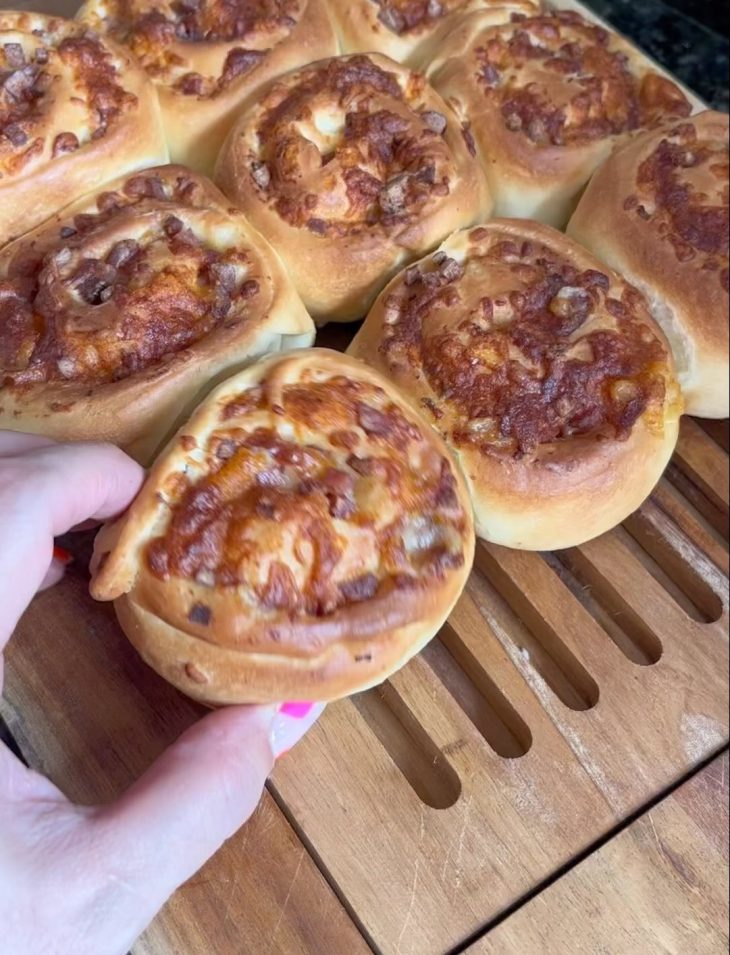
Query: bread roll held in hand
pixel 542 369
pixel 351 167
pixel 118 313
pixel 75 112
pixel 209 57
pixel 411 31
pixel 302 537
pixel 657 211
pixel 548 97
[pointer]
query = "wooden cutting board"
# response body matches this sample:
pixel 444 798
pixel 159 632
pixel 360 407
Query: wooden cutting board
pixel 659 886
pixel 564 693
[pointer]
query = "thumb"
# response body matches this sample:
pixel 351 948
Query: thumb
pixel 197 794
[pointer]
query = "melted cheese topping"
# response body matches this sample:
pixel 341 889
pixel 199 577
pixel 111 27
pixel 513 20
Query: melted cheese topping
pixel 682 195
pixel 56 67
pixel 325 496
pixel 345 146
pixel 197 48
pixel 414 16
pixel 558 80
pixel 111 292
pixel 520 349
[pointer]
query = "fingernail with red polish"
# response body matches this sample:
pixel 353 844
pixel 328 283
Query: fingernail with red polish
pixel 291 722
pixel 62 555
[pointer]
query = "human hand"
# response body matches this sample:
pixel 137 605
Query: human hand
pixel 89 879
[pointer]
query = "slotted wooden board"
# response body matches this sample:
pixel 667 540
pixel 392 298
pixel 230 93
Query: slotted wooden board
pixel 425 829
pixel 564 693
pixel 660 885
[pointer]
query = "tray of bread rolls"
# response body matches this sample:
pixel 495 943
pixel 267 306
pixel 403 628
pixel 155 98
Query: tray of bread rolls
pixel 417 313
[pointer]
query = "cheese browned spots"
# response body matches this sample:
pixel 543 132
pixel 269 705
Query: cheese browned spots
pixel 323 497
pixel 165 38
pixel 559 80
pixel 682 195
pixel 109 293
pixel 405 16
pixel 61 67
pixel 345 145
pixel 522 349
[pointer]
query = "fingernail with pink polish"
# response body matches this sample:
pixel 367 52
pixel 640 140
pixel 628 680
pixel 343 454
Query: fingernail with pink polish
pixel 291 722
pixel 297 710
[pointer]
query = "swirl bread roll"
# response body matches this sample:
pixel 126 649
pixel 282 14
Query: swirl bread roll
pixel 549 97
pixel 303 536
pixel 411 31
pixel 75 112
pixel 351 167
pixel 542 369
pixel 119 312
pixel 208 58
pixel 657 211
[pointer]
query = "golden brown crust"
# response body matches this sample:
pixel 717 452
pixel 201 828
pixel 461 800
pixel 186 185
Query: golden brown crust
pixel 210 59
pixel 351 167
pixel 549 97
pixel 302 537
pixel 543 370
pixel 657 211
pixel 411 31
pixel 119 312
pixel 75 112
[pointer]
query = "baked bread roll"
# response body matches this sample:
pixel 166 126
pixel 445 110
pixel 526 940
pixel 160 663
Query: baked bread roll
pixel 119 312
pixel 208 58
pixel 411 32
pixel 302 537
pixel 75 112
pixel 657 211
pixel 351 167
pixel 542 369
pixel 548 97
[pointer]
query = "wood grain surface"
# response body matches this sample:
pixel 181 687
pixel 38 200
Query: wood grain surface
pixel 661 886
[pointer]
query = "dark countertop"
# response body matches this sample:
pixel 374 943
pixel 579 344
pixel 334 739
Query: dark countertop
pixel 685 36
